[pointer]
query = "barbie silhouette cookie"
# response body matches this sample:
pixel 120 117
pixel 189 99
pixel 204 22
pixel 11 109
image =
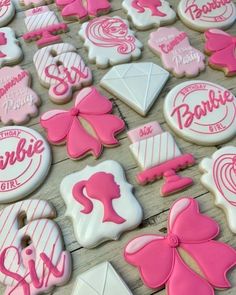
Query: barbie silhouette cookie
pixel 110 41
pixel 146 14
pixel 25 159
pixel 219 177
pixel 19 102
pixel 221 48
pixel 100 203
pixel 176 53
pixel 32 258
pixel 10 51
pixel 201 15
pixel 62 70
pixel 201 112
pixel 82 10
pixel 7 12
pixel 100 129
pixel 159 156
pixel 160 258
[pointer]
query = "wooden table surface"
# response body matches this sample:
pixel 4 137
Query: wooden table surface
pixel 155 207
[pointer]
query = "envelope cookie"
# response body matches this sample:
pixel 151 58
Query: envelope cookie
pixel 100 203
pixel 219 177
pixel 109 41
pixel 100 280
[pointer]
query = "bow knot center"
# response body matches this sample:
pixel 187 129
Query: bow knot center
pixel 173 240
pixel 74 112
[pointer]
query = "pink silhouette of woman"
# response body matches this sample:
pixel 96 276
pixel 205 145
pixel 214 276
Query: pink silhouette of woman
pixel 102 187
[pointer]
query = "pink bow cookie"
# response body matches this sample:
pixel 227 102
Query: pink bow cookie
pixel 92 109
pixel 159 261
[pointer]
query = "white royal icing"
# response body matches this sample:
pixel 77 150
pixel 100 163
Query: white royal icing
pixel 7 12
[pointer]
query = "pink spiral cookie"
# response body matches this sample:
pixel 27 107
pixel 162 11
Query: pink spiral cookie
pixel 176 53
pixel 160 258
pixel 18 102
pixel 110 41
pixel 32 259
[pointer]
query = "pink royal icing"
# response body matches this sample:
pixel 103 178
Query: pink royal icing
pixel 176 53
pixel 160 264
pixel 80 9
pixel 93 108
pixel 17 101
pixel 222 48
pixel 144 131
pixel 153 5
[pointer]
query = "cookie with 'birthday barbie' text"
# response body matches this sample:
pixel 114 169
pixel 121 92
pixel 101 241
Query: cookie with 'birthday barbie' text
pixel 109 41
pixel 201 112
pixel 201 15
pixel 176 53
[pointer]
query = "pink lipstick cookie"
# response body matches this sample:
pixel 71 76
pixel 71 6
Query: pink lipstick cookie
pixel 98 129
pixel 222 50
pixel 109 41
pixel 61 69
pixel 159 156
pixel 100 203
pixel 146 14
pixel 7 12
pixel 176 53
pixel 18 103
pixel 32 259
pixel 82 9
pixel 201 112
pixel 201 15
pixel 164 261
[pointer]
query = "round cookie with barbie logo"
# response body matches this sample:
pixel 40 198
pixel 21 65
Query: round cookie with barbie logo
pixel 201 15
pixel 201 112
pixel 25 159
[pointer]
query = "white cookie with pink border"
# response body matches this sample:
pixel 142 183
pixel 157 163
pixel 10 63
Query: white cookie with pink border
pixel 201 112
pixel 219 177
pixel 201 15
pixel 25 159
pixel 32 258
pixel 7 12
pixel 18 102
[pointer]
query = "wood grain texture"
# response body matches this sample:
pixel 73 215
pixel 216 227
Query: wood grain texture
pixel 155 207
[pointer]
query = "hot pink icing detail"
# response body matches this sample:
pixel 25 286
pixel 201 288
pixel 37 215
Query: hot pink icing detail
pixel 92 107
pixel 102 187
pixel 222 48
pixel 176 52
pixel 153 5
pixel 17 100
pixel 78 9
pixel 36 10
pixel 113 32
pixel 160 264
pixel 3 41
pixel 145 131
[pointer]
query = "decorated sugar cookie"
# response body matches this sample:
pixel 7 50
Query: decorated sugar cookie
pixel 7 12
pixel 159 157
pixel 43 25
pixel 100 203
pixel 146 14
pixel 10 51
pixel 136 84
pixel 201 112
pixel 99 129
pixel 61 69
pixel 110 41
pixel 201 15
pixel 19 102
pixel 221 48
pixel 100 279
pixel 176 53
pixel 191 235
pixel 32 258
pixel 82 9
pixel 34 3
pixel 25 159
pixel 219 177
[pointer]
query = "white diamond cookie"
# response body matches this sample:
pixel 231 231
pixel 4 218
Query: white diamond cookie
pixel 220 178
pixel 100 280
pixel 136 84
